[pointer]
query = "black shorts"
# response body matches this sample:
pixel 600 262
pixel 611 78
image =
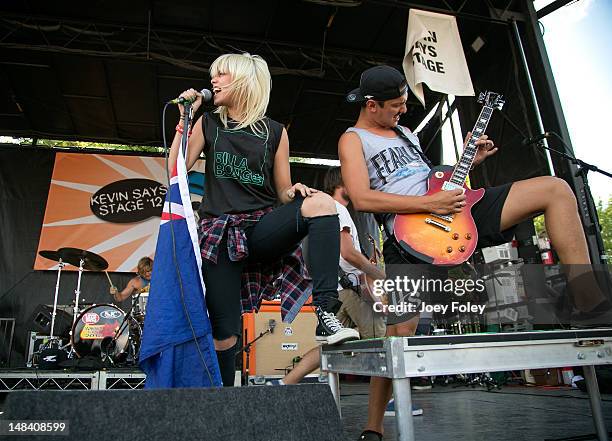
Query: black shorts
pixel 487 216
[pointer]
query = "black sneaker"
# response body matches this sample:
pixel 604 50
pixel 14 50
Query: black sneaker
pixel 331 331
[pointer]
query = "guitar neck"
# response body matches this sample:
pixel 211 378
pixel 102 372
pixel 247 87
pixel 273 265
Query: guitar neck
pixel 374 257
pixel 463 166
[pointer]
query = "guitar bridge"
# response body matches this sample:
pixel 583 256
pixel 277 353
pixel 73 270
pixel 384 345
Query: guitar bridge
pixel 447 218
pixel 437 224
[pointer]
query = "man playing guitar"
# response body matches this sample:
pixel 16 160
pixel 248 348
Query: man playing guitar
pixel 387 173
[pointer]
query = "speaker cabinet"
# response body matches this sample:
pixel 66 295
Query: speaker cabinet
pixel 40 321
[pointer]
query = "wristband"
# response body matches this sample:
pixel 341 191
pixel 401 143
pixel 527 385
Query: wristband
pixel 180 129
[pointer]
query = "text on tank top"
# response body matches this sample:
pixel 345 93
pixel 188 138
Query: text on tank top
pixel 239 167
pixel 394 166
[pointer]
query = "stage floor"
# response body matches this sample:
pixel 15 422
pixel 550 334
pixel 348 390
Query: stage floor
pixel 466 414
pixel 473 414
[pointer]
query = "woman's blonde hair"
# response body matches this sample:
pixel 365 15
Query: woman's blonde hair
pixel 249 89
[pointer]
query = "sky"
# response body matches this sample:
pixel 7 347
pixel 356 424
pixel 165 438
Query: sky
pixel 578 40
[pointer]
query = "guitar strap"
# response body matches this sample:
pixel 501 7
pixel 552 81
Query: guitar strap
pixel 382 217
pixel 402 135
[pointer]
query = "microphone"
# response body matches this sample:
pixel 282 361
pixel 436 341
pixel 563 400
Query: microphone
pixel 271 325
pixel 536 139
pixel 206 96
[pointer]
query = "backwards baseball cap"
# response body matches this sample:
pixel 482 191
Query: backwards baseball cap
pixel 378 83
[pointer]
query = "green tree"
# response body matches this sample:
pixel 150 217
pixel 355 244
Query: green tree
pixel 605 220
pixel 604 211
pixel 54 143
pixel 538 223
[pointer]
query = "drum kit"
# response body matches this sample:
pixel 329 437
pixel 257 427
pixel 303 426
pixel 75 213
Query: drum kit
pixel 103 331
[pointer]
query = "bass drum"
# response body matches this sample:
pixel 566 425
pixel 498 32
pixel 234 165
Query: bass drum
pixel 101 330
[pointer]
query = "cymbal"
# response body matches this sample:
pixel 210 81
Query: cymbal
pixel 91 261
pixel 51 255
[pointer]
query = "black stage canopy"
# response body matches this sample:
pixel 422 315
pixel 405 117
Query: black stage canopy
pixel 101 72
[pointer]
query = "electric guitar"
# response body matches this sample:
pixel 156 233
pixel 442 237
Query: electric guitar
pixel 448 239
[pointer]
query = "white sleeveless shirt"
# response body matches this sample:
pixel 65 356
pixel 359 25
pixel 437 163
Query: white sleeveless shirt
pixel 393 164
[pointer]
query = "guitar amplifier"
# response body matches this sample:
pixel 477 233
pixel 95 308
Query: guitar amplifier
pixel 274 353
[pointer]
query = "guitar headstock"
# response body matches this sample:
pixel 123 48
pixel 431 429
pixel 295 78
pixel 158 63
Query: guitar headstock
pixel 371 240
pixel 376 254
pixel 491 99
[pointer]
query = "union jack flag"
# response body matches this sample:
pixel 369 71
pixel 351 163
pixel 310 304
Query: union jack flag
pixel 169 354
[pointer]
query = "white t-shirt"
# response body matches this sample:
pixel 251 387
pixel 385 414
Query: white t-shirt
pixel 346 223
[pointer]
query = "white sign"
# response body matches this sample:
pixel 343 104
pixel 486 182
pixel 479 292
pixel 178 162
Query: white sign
pixel 434 55
pixel 289 346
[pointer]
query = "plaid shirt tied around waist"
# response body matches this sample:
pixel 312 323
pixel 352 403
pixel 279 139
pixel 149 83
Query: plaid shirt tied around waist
pixel 286 276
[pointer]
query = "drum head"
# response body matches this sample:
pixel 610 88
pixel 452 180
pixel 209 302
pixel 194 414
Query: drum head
pixel 101 330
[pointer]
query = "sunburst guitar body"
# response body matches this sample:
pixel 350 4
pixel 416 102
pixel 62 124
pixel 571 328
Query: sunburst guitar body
pixel 448 240
pixel 436 239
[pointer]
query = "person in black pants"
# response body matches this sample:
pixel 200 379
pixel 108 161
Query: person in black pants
pixel 252 218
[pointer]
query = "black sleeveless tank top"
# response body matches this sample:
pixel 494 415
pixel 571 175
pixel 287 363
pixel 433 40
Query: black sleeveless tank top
pixel 239 167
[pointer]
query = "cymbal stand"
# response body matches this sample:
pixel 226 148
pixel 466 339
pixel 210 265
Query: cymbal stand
pixel 57 285
pixel 77 293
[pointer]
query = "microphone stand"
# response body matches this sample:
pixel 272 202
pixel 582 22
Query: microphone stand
pixel 583 169
pixel 247 350
pixel 121 327
pixel 185 135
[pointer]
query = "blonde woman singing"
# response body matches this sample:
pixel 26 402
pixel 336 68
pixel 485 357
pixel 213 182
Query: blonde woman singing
pixel 252 218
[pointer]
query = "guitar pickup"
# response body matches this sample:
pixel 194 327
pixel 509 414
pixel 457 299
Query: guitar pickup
pixel 437 224
pixel 447 185
pixel 447 218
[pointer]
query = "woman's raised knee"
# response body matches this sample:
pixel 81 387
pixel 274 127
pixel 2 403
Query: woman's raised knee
pixel 318 204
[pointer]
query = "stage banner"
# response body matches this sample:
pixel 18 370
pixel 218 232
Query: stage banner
pixel 107 204
pixel 434 55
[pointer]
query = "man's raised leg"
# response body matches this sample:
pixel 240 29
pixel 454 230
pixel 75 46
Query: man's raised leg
pixel 555 199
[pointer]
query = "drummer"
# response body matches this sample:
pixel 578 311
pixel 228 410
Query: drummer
pixel 138 284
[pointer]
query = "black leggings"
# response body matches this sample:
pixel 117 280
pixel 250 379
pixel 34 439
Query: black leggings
pixel 275 235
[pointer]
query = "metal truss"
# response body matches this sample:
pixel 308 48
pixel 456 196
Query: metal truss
pixel 12 380
pixel 181 48
pixel 185 48
pixel 47 380
pixel 121 380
